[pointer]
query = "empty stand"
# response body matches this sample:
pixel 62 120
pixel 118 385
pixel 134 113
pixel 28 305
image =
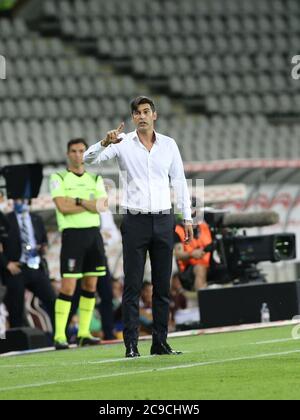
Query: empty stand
pixel 220 70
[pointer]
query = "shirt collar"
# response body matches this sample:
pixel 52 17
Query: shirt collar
pixel 78 175
pixel 136 137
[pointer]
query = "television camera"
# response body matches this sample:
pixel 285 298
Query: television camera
pixel 238 255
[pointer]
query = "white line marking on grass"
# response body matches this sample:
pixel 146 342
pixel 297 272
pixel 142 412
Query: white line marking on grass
pixel 84 363
pixel 239 328
pixel 153 370
pixel 64 364
pixel 282 340
pixel 101 362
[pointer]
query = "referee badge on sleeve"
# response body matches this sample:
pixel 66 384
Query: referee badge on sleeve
pixel 54 185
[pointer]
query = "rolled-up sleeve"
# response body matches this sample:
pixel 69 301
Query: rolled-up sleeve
pixel 179 183
pixel 97 154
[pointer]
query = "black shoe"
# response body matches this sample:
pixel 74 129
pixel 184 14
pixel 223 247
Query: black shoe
pixel 88 341
pixel 163 348
pixel 59 345
pixel 132 351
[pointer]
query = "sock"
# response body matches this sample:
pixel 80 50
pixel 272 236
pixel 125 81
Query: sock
pixel 86 308
pixel 62 310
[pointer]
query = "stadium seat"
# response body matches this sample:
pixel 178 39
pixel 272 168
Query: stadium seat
pixel 227 60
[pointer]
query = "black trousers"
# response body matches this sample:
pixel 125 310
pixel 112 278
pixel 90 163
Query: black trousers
pixel 142 233
pixel 38 283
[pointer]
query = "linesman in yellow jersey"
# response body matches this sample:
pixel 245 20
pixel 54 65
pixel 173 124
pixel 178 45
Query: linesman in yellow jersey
pixel 79 196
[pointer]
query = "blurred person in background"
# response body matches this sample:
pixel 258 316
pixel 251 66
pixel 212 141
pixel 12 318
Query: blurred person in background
pixel 109 230
pixel 23 257
pixel 178 298
pixel 3 233
pixel 146 315
pixel 105 307
pixel 117 288
pixel 111 235
pixel 192 259
pixel 2 202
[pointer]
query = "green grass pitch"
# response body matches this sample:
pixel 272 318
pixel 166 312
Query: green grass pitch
pixel 257 364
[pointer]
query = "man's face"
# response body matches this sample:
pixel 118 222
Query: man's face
pixel 75 154
pixel 143 118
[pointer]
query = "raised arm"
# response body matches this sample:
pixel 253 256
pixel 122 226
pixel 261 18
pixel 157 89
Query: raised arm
pixel 105 149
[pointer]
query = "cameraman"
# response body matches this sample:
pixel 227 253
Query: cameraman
pixel 23 259
pixel 193 262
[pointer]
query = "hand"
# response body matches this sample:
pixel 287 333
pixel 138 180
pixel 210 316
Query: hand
pixel 106 235
pixel 189 231
pixel 112 136
pixel 198 254
pixel 14 268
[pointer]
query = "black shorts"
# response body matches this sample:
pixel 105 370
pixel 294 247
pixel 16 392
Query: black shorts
pixel 82 254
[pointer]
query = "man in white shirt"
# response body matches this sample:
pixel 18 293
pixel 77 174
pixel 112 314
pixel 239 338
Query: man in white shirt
pixel 147 161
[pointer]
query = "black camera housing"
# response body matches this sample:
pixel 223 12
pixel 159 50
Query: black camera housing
pixel 256 249
pixel 239 255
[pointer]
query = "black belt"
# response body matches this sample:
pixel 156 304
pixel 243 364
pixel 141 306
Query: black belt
pixel 150 213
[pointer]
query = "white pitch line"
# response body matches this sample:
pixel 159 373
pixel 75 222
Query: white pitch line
pixel 153 370
pixel 64 364
pixel 282 340
pixel 125 359
pixel 84 363
pixel 221 330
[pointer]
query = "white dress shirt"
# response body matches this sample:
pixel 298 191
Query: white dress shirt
pixel 145 176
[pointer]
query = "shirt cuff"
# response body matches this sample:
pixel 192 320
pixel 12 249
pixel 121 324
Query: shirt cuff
pixel 92 152
pixel 96 147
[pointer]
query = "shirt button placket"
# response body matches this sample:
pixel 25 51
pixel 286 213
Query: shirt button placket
pixel 149 179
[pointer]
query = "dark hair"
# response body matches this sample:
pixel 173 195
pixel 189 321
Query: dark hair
pixel 77 141
pixel 141 100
